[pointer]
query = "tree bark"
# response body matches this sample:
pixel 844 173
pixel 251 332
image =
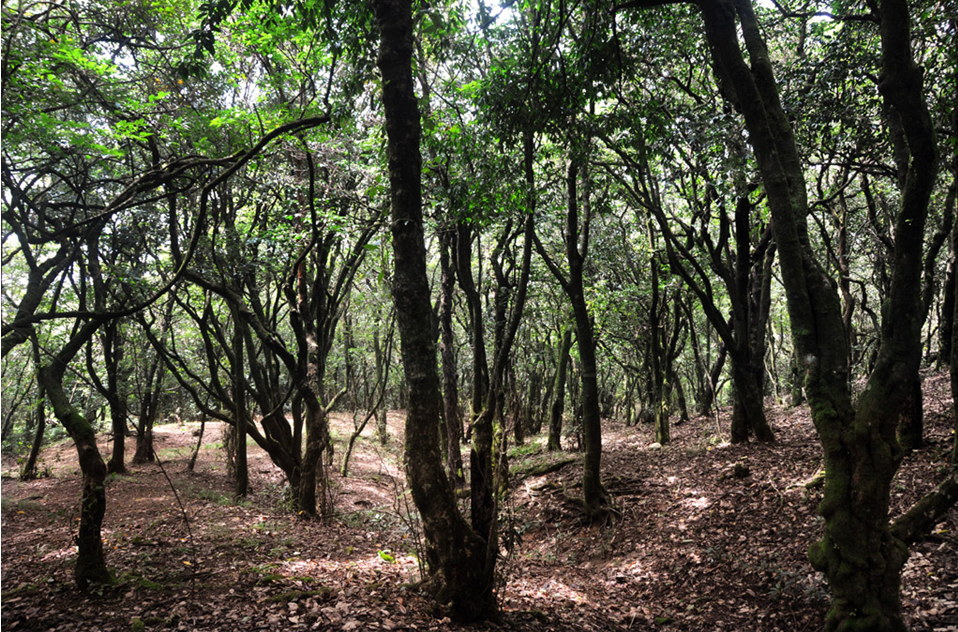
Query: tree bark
pixel 858 553
pixel 576 239
pixel 558 403
pixel 91 562
pixel 450 381
pixel 113 342
pixel 455 555
pixel 29 470
pixel 480 367
pixel 240 465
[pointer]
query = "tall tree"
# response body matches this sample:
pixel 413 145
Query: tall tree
pixel 455 554
pixel 858 553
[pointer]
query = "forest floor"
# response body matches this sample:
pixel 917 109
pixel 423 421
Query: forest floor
pixel 697 547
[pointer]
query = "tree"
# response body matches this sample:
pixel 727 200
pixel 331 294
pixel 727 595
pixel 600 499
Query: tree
pixel 576 240
pixel 859 554
pixel 455 554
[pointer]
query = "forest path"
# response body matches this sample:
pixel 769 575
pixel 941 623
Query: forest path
pixel 711 537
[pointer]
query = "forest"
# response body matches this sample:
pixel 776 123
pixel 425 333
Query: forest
pixel 485 314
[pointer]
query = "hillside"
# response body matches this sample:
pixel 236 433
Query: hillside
pixel 710 537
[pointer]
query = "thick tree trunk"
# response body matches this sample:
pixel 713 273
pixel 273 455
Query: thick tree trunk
pixel 911 430
pixel 144 442
pixel 858 553
pixel 241 468
pixel 455 555
pixel 313 472
pixel 748 412
pixel 91 563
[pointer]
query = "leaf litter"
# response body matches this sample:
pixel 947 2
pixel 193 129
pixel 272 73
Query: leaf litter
pixel 710 536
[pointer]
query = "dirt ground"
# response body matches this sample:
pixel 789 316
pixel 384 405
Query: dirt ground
pixel 696 547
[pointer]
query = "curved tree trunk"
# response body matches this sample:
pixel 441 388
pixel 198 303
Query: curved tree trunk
pixel 480 367
pixel 577 244
pixel 858 553
pixel 113 342
pixel 91 563
pixel 29 470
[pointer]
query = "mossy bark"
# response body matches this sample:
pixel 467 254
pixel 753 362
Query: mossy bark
pixel 91 565
pixel 858 553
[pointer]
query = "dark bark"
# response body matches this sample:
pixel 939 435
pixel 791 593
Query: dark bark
pixel 680 397
pixel 149 406
pixel 29 470
pixel 918 521
pixel 112 341
pixel 746 276
pixel 382 430
pixel 91 562
pixel 576 240
pixel 557 410
pixel 455 555
pixel 450 378
pixel 953 361
pixel 658 403
pixel 712 380
pixel 947 311
pixel 240 465
pixel 488 465
pixel 858 553
pixel 480 367
pixel 199 443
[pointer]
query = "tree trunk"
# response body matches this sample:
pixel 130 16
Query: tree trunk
pixel 29 471
pixel 858 553
pixel 91 563
pixel 593 494
pixel 558 403
pixel 480 367
pixel 455 555
pixel 715 372
pixel 148 411
pixel 450 381
pixel 911 430
pixel 241 469
pixel 948 309
pixel 660 408
pixel 382 430
pixel 199 443
pixel 317 439
pixel 748 409
pixel 112 357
